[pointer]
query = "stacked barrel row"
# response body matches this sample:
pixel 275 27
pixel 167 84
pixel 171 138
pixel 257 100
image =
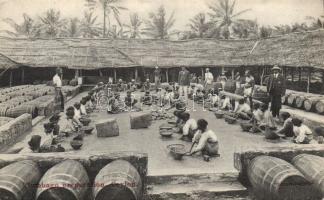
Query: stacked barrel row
pixel 18 100
pixel 69 180
pixel 309 102
pixel 274 178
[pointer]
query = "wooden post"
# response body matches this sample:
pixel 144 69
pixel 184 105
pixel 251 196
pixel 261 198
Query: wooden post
pixel 309 78
pixel 167 75
pixel 292 74
pixel 202 73
pixel 136 73
pixel 76 73
pixel 285 72
pixel 115 75
pixel 10 79
pixel 299 74
pixel 22 75
pixel 233 74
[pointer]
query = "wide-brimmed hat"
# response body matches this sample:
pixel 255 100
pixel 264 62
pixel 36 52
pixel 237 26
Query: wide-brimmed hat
pixel 276 67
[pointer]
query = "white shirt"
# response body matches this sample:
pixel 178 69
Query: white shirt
pixel 209 78
pixel 243 108
pixel 191 124
pixel 83 109
pixel 208 136
pixel 77 114
pixel 57 81
pixel 302 133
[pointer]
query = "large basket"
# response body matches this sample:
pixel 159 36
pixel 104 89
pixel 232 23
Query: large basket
pixel 177 151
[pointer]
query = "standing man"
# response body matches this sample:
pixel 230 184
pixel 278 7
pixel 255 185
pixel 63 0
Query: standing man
pixel 157 78
pixel 59 99
pixel 209 79
pixel 184 82
pixel 248 86
pixel 276 88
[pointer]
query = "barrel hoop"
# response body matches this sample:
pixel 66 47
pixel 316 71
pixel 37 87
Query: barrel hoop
pixel 269 170
pixel 272 187
pixel 118 173
pixel 64 175
pixel 19 192
pixel 68 188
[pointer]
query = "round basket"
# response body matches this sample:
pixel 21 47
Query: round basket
pixel 76 144
pixel 177 151
pixel 246 126
pixel 219 114
pixel 85 121
pixel 230 120
pixel 87 129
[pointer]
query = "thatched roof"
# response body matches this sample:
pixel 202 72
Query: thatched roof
pixel 7 63
pixel 296 49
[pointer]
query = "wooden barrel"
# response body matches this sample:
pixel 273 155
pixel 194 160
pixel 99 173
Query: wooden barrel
pixel 274 177
pixel 299 101
pixel 319 107
pixel 19 180
pixel 230 86
pixel 121 181
pixel 66 180
pixel 140 120
pixel 22 109
pixel 260 94
pixel 291 100
pixel 313 169
pixel 3 111
pixel 217 86
pixel 309 103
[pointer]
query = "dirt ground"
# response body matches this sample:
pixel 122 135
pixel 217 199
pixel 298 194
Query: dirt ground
pixel 149 141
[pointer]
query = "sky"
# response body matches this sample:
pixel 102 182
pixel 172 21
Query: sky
pixel 266 12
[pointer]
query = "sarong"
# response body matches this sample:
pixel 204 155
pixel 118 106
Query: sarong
pixel 58 100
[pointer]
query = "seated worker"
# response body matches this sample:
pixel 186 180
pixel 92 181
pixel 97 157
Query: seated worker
pixel 132 85
pixel 189 128
pixel 225 103
pixel 288 128
pixel 77 111
pixel 168 98
pixel 120 87
pixel 147 98
pixel 179 122
pixel 191 91
pixel 83 109
pixel 72 125
pixel 130 101
pixel 303 134
pixel 116 105
pixel 243 110
pixel 199 95
pixel 258 114
pixel 206 140
pixel 268 120
pixel 33 145
pixel 147 85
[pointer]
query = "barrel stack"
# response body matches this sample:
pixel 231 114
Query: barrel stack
pixel 121 181
pixel 313 168
pixel 18 180
pixel 275 179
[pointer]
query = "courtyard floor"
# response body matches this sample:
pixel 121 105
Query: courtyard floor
pixel 149 141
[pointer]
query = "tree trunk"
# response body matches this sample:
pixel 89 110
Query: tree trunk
pixel 104 23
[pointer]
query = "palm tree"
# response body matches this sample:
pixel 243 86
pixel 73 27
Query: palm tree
pixel 199 25
pixel 89 26
pixel 108 7
pixel 52 24
pixel 158 26
pixel 134 27
pixel 28 28
pixel 223 15
pixel 265 32
pixel 73 28
pixel 244 28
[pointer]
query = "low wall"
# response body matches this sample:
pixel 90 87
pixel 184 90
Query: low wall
pixel 93 162
pixel 15 128
pixel 243 158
